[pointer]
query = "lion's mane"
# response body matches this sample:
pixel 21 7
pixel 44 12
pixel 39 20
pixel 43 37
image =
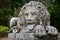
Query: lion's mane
pixel 44 16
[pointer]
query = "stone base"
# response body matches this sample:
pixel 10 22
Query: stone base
pixel 29 36
pixel 20 36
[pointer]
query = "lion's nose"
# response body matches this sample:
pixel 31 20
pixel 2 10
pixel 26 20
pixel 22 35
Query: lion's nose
pixel 29 18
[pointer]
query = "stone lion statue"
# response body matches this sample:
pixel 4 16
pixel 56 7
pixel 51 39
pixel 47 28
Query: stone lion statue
pixel 34 18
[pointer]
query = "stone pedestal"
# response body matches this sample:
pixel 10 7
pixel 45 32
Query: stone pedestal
pixel 20 36
pixel 29 36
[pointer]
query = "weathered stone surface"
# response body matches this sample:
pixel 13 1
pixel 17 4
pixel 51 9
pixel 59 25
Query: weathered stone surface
pixel 20 36
pixel 11 36
pixel 30 36
pixel 33 24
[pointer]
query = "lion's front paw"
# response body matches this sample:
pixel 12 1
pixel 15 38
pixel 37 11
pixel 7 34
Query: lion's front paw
pixel 52 30
pixel 40 31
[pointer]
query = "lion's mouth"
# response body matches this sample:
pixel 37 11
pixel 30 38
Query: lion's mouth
pixel 31 22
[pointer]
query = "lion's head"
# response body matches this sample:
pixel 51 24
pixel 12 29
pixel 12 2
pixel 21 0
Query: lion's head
pixel 34 12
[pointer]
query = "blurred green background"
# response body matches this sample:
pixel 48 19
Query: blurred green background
pixel 11 8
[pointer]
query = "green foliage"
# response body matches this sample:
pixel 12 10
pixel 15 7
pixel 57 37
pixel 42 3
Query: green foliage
pixel 55 15
pixel 7 10
pixel 3 30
